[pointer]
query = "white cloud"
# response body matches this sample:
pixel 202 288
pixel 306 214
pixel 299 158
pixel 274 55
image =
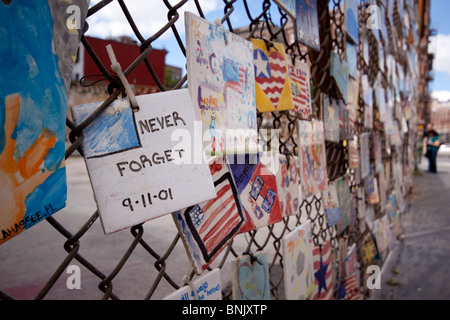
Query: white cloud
pixel 149 17
pixel 440 46
pixel 442 96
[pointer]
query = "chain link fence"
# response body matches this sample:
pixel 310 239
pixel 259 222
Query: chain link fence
pixel 260 22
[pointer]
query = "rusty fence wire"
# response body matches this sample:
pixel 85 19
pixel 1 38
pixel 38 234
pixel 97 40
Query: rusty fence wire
pixel 260 22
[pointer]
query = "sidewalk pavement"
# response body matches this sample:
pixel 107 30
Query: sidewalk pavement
pixel 418 267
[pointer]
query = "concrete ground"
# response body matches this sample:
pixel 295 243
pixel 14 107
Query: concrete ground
pixel 418 268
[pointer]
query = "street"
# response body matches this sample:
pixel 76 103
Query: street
pixel 418 267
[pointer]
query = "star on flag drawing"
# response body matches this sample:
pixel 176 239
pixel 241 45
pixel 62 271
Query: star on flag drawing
pixel 323 269
pixel 273 90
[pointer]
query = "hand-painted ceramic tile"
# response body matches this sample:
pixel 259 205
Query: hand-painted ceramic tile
pixel 273 88
pixel 378 152
pixel 331 204
pixel 352 291
pixel 361 202
pixel 331 113
pixel 134 163
pixel 365 41
pixel 288 6
pixel 352 260
pixel 381 101
pixel 351 19
pixel 346 132
pixel 38 51
pixel 352 60
pixel 368 116
pixel 389 124
pixel 392 206
pixel 395 222
pixel 364 154
pixel 382 190
pixel 260 199
pixel 370 216
pixel 382 234
pixel 307 23
pixel 395 138
pixel 368 251
pixel 367 90
pixel 353 97
pixel 323 265
pixel 345 203
pixel 242 169
pixel 353 154
pixel 312 157
pixel 342 257
pixel 298 263
pixel 288 185
pixel 221 83
pixel 250 278
pixel 369 181
pixel 206 287
pixel 206 228
pixel 374 196
pixel 351 123
pixel 354 212
pixel 339 71
pixel 300 88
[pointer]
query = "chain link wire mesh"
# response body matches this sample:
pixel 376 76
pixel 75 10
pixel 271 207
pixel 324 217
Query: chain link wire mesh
pixel 260 23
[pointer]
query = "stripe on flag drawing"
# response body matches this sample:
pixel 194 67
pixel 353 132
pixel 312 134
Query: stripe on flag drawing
pixel 323 252
pixel 351 288
pixel 238 86
pixel 214 222
pixel 303 96
pixel 273 86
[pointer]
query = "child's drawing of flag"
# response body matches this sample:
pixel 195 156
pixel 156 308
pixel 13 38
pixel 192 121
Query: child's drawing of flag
pixel 208 227
pixel 323 272
pixel 300 88
pixel 273 90
pixel 352 288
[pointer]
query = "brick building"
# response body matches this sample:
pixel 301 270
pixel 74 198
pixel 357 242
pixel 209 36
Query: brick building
pixel 126 51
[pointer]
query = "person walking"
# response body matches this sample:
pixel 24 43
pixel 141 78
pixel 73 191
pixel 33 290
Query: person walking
pixel 433 144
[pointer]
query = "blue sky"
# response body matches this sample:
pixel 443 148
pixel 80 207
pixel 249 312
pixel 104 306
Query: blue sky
pixel 440 46
pixel 151 15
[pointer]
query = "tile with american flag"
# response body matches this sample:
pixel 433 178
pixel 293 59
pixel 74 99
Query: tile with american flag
pixel 323 264
pixel 258 190
pixel 260 199
pixel 221 82
pixel 351 287
pixel 207 228
pixel 300 87
pixel 272 88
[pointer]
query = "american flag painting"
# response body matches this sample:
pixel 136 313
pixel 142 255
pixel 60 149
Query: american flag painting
pixel 288 185
pixel 208 227
pixel 273 90
pixel 260 198
pixel 352 260
pixel 300 88
pixel 323 272
pixel 312 157
pixel 222 86
pixel 240 82
pixel 352 288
